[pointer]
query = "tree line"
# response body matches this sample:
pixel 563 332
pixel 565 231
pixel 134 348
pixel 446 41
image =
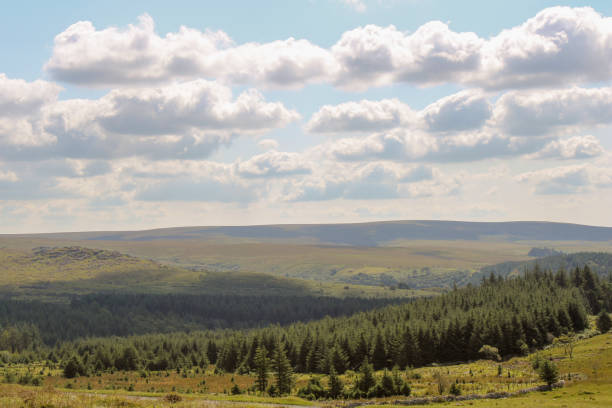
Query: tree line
pixel 107 314
pixel 512 315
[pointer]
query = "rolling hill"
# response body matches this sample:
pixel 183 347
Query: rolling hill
pixel 363 234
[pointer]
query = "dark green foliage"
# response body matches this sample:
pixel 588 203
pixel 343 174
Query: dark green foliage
pixel 549 372
pixel 336 387
pixel 313 390
pixel 366 378
pixel 510 315
pixel 283 372
pixel 604 323
pixel 73 368
pixel 125 314
pixel 261 364
pixel 454 389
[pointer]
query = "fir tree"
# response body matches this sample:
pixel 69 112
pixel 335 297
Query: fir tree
pixel 604 323
pixel 549 373
pixel 261 368
pixel 336 387
pixel 282 370
pixel 367 376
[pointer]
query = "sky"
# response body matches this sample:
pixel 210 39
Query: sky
pixel 137 115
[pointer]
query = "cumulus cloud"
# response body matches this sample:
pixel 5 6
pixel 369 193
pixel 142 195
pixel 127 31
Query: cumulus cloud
pixel 188 119
pixel 273 164
pixel 362 116
pixel 137 55
pixel 376 180
pixel 433 54
pixel 559 45
pixel 464 110
pixel 577 147
pixel 199 104
pixel 568 179
pixel 560 110
pixel 408 145
pixel 21 121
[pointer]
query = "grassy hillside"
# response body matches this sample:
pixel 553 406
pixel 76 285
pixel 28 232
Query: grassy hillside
pixel 364 234
pixel 418 254
pixel 587 376
pixel 59 271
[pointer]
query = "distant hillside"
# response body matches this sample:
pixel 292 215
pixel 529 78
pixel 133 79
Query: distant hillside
pixel 70 270
pixel 364 234
pixel 599 262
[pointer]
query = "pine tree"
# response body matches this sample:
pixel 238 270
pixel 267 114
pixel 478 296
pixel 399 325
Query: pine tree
pixel 549 373
pixel 379 355
pixel 367 376
pixel 261 368
pixel 336 387
pixel 387 384
pixel 282 370
pixel 339 361
pixel 604 323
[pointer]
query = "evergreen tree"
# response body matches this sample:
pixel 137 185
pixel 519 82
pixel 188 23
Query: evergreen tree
pixel 282 370
pixel 366 381
pixel 261 369
pixel 339 360
pixel 604 323
pixel 336 387
pixel 73 368
pixel 549 373
pixel 379 355
pixel 387 384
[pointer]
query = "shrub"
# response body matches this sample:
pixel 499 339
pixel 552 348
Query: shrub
pixel 604 323
pixel 490 353
pixel 549 373
pixel 173 398
pixel 454 389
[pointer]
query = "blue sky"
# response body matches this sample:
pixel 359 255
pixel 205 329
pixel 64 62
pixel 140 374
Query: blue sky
pixel 122 115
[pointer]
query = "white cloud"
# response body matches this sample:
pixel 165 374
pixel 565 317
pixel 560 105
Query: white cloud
pixel 374 55
pixel 137 55
pixel 8 176
pixel 371 181
pixel 21 121
pixel 273 164
pixel 464 110
pixel 408 145
pixel 268 144
pixel 362 116
pixel 577 147
pixel 553 111
pixel 558 46
pixel 568 179
pixel 189 119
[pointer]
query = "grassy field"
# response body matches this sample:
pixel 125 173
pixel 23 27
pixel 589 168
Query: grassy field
pixel 39 273
pixel 587 376
pixel 419 264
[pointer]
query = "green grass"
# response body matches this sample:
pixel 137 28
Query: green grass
pixel 76 270
pixel 422 264
pixel 589 384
